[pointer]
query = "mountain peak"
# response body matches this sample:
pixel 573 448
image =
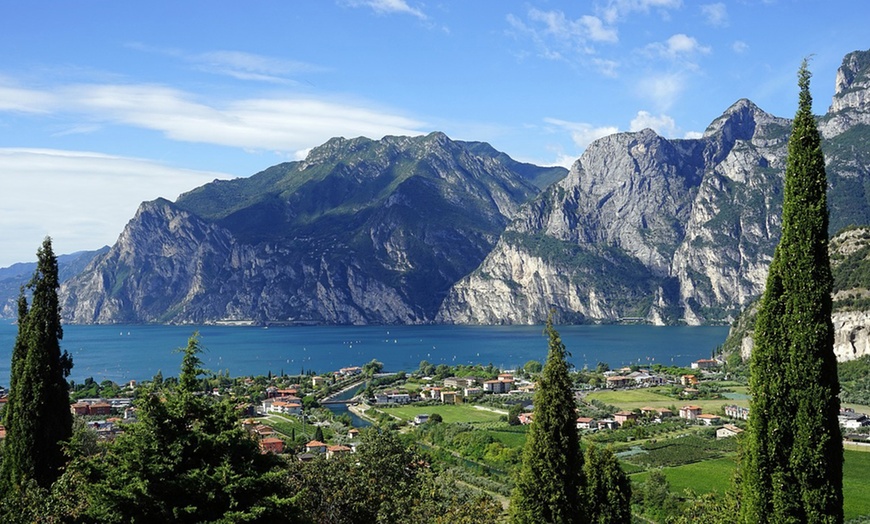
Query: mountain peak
pixel 851 103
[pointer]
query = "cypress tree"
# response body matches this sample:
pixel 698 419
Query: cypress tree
pixel 38 418
pixel 793 464
pixel 550 482
pixel 608 490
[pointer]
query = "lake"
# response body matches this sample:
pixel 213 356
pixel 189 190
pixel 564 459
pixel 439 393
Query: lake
pixel 124 352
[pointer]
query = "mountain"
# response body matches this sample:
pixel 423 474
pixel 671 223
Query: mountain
pixel 360 232
pixel 666 231
pixel 12 278
pixel 850 265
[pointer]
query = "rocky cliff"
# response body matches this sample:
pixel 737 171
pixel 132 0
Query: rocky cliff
pixel 665 231
pixel 359 232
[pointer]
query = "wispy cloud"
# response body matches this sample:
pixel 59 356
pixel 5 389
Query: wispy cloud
pixel 237 64
pixel 557 37
pixel 715 14
pixel 582 134
pixel 739 46
pixel 615 10
pixel 284 124
pixel 678 47
pixel 389 7
pixel 64 207
pixel 664 125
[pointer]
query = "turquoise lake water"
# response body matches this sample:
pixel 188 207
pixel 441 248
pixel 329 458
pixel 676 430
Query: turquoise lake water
pixel 124 352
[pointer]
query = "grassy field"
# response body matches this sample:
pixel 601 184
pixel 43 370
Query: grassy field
pixel 715 475
pixel 655 397
pixel 448 412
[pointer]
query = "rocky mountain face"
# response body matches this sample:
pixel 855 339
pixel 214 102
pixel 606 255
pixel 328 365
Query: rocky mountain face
pixel 666 231
pixel 850 265
pixel 359 232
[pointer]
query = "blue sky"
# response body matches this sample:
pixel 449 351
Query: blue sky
pixel 105 104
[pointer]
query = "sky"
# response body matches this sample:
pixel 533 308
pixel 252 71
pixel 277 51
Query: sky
pixel 106 104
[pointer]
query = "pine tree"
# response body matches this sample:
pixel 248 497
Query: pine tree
pixel 38 418
pixel 550 482
pixel 792 469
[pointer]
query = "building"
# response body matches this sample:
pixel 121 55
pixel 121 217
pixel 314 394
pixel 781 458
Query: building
pixel 318 381
pixel 621 417
pixel 584 423
pixel 271 445
pixel 619 381
pixel 497 386
pixel 450 397
pixel 690 412
pixel 422 418
pixel 688 380
pixel 728 430
pixel 525 418
pixel 332 451
pixel 472 392
pixel 315 446
pixel 704 363
pixel 738 412
pixel 708 419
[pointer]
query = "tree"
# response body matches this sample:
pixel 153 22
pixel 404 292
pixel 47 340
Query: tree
pixel 532 367
pixel 792 468
pixel 186 459
pixel 550 482
pixel 38 418
pixel 608 490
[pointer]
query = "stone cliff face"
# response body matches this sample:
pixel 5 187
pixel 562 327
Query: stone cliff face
pixel 644 228
pixel 666 231
pixel 360 232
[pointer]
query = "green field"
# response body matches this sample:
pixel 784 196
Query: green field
pixel 448 412
pixel 715 475
pixel 630 399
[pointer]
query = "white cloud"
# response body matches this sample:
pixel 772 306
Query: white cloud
pixel 582 134
pixel 616 10
pixel 558 37
pixel 237 64
pixel 693 134
pixel 662 90
pixel 739 46
pixel 81 199
pixel 661 124
pixel 285 124
pixel 678 46
pixel 388 7
pixel 716 14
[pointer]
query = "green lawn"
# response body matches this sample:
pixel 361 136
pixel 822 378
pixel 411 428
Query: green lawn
pixel 629 399
pixel 448 412
pixel 715 475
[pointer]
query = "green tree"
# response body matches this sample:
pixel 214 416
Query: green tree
pixel 792 467
pixel 186 459
pixel 608 490
pixel 531 367
pixel 550 482
pixel 37 415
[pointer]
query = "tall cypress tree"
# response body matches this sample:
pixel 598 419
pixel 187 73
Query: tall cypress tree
pixel 38 417
pixel 550 482
pixel 793 463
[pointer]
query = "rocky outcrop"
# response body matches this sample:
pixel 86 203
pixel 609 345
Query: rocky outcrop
pixel 851 103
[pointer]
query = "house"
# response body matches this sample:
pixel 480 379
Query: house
pixel 450 397
pixel 332 451
pixel 664 413
pixel 728 430
pixel 607 424
pixel 472 392
pixel 353 433
pixel 497 386
pixel 80 408
pixel 690 412
pixel 525 418
pixel 458 383
pixel 618 381
pixel 688 380
pixel 315 446
pixel 422 418
pixel 271 445
pixel 286 407
pixel 505 377
pixel 738 412
pixel 621 417
pixel 689 392
pixel 704 363
pixel 849 419
pixel 350 371
pixel 708 419
pixel 2 432
pixel 318 381
pixel 584 423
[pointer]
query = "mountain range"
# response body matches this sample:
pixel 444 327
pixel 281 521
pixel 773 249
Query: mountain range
pixel 429 229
